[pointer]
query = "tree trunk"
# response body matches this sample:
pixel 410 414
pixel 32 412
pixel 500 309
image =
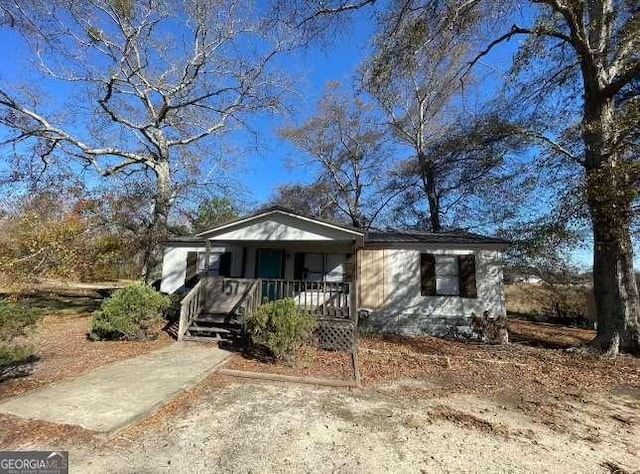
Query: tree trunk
pixel 157 232
pixel 615 291
pixel 428 176
pixel 609 196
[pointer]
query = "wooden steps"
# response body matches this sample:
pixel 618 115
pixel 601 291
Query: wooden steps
pixel 207 326
pixel 199 338
pixel 217 318
pixel 195 328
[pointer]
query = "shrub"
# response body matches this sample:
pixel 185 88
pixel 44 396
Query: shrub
pixel 281 327
pixel 132 313
pixel 17 321
pixel 493 330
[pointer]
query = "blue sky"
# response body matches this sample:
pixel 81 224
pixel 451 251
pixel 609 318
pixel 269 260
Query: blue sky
pixel 263 161
pixel 260 170
pixel 312 68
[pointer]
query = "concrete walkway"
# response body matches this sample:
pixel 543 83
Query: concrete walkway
pixel 113 397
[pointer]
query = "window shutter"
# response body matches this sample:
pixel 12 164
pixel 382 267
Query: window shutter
pixel 224 268
pixel 427 274
pixel 298 266
pixel 467 273
pixel 191 274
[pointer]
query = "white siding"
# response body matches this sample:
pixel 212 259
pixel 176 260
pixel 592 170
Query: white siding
pixel 404 310
pixel 174 263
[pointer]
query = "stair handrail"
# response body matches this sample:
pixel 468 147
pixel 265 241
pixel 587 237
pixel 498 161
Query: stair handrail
pixel 190 307
pixel 250 301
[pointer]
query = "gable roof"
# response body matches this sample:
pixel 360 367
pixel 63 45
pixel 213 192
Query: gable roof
pixel 370 237
pixel 282 211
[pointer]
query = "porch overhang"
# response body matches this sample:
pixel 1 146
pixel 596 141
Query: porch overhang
pixel 280 225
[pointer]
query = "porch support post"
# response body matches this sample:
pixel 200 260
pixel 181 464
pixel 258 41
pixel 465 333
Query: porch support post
pixel 355 283
pixel 205 289
pixel 207 256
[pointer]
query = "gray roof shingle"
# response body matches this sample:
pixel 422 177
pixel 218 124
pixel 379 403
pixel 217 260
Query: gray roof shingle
pixel 454 237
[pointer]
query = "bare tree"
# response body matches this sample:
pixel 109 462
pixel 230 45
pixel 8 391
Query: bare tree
pixel 161 78
pixel 348 143
pixel 592 54
pixel 414 76
pixel 313 200
pixel 318 20
pixel 478 185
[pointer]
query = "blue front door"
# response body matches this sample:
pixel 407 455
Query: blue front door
pixel 270 267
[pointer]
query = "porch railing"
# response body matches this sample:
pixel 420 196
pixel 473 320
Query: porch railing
pixel 190 307
pixel 250 301
pixel 324 298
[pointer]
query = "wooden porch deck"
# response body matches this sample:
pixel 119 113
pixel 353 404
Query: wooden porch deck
pixel 216 307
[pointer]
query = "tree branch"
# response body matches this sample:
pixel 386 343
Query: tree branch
pixel 515 30
pixel 336 10
pixel 46 130
pixel 622 79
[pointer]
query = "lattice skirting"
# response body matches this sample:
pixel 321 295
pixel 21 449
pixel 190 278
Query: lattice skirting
pixel 335 335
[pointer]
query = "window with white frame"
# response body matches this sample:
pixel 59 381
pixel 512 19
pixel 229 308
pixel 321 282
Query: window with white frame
pixel 447 278
pixel 324 267
pixel 314 266
pixel 448 275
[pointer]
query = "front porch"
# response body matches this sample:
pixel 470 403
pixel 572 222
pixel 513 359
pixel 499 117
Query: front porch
pixel 216 307
pixel 228 271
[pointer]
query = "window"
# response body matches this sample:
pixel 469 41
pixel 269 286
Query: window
pixel 335 267
pixel 196 263
pixel 447 281
pixel 448 275
pixel 313 266
pixel 214 262
pixel 320 267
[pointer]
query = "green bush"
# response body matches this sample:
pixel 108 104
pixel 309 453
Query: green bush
pixel 17 322
pixel 132 313
pixel 280 327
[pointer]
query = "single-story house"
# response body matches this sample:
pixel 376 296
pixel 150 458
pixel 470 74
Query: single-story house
pixel 403 282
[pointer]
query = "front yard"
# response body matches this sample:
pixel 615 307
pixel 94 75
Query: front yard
pixel 426 404
pixel 226 426
pixel 63 349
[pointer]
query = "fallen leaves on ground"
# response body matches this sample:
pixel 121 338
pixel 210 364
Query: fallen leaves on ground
pixel 533 374
pixel 544 382
pixel 185 401
pixel 42 435
pixel 63 350
pixel 309 362
pixel 473 366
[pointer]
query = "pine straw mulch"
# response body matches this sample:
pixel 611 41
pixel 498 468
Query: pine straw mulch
pixel 308 362
pixel 478 367
pixel 19 433
pixel 534 374
pixel 585 397
pixel 63 350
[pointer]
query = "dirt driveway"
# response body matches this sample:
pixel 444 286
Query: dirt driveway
pixel 227 426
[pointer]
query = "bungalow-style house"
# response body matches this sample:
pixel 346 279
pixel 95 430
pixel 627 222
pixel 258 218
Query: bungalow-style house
pixel 394 282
